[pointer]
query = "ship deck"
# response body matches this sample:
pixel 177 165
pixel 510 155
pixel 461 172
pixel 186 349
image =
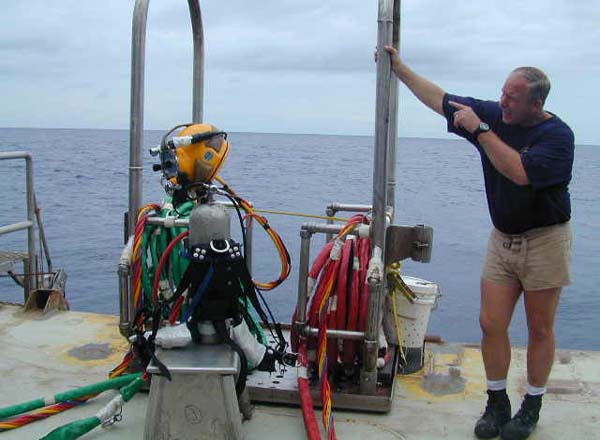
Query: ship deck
pixel 46 354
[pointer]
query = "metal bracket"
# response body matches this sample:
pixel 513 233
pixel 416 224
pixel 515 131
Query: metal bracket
pixel 408 241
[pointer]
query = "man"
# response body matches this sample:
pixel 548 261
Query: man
pixel 527 158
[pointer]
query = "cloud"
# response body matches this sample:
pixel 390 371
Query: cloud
pixel 289 51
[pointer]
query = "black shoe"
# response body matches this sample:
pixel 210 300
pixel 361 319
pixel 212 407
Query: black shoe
pixel 496 415
pixel 525 420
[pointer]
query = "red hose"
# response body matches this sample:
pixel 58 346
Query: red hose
pixel 353 303
pixel 342 284
pixel 316 268
pixel 308 412
pixel 328 271
pixel 332 343
pixel 339 301
pixel 364 247
pixel 320 261
pixel 163 259
pixel 337 317
pixel 176 309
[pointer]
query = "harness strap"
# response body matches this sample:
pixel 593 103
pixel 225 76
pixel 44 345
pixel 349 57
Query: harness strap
pixel 223 333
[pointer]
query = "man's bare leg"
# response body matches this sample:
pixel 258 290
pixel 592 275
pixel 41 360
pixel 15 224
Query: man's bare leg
pixel 540 307
pixel 497 306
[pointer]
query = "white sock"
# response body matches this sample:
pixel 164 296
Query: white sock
pixel 535 391
pixel 496 385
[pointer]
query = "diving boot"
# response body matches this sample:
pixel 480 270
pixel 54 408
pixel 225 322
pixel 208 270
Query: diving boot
pixel 496 415
pixel 525 420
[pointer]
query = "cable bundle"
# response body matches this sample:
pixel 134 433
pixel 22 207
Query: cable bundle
pixel 339 301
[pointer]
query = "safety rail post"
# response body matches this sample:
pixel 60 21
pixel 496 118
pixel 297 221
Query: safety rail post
pixel 376 277
pixel 136 118
pixel 393 120
pixel 30 281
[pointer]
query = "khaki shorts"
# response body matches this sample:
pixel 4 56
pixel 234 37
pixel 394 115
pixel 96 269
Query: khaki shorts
pixel 537 259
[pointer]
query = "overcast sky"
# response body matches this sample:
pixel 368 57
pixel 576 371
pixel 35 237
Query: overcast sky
pixel 288 65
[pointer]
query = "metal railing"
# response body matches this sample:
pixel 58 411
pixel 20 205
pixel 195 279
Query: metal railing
pixel 29 281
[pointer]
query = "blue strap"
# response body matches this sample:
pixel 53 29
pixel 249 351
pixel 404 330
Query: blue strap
pixel 200 292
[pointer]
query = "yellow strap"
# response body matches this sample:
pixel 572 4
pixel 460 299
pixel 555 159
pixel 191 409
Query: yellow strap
pixel 301 214
pixel 295 214
pixel 397 284
pixel 397 325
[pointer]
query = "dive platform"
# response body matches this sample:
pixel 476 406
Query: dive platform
pixel 45 354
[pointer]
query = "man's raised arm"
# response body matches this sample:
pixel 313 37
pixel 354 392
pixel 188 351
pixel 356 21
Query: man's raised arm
pixel 428 93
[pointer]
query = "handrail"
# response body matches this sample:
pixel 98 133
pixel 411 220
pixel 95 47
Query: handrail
pixel 30 282
pixel 136 122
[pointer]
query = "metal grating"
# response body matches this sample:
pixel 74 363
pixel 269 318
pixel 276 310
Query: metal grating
pixel 9 258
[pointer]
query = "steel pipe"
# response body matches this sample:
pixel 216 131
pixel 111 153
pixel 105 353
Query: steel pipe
pixel 136 118
pixel 15 227
pixel 168 222
pixel 338 207
pixel 393 120
pixel 325 228
pixel 198 69
pixel 126 309
pixel 302 299
pixel 337 334
pixel 335 207
pixel 368 382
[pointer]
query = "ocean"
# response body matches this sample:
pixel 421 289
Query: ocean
pixel 81 182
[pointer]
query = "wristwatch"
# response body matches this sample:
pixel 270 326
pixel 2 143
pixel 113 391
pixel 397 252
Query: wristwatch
pixel 483 127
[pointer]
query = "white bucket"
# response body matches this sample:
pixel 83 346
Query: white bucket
pixel 413 317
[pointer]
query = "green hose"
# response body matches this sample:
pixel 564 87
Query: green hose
pixel 155 240
pixel 73 430
pixel 147 273
pixel 76 429
pixel 74 394
pixel 253 322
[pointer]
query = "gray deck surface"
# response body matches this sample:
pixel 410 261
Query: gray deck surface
pixel 47 354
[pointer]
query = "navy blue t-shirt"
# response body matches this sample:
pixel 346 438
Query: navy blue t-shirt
pixel 547 155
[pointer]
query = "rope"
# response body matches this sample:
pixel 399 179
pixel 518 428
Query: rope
pixel 301 214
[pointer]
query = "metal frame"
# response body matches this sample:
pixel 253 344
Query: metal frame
pixel 383 170
pixel 383 206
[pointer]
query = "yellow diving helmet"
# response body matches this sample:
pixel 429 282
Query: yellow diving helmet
pixel 201 150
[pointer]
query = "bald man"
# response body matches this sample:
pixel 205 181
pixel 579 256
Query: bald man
pixel 527 158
